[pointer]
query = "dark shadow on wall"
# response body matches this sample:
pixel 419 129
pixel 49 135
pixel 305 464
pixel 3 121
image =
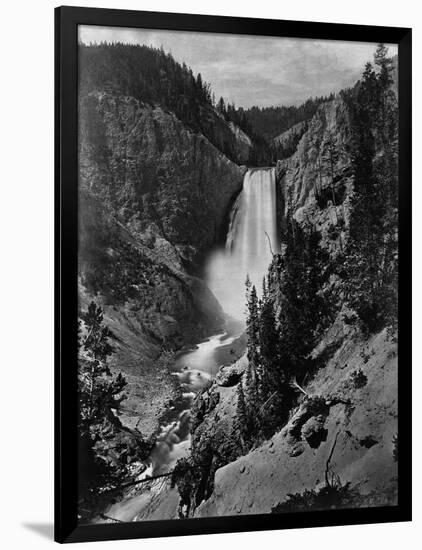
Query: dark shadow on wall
pixel 45 530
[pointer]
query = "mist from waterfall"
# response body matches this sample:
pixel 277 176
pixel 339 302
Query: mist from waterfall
pixel 253 226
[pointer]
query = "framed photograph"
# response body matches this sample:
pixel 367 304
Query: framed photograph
pixel 233 281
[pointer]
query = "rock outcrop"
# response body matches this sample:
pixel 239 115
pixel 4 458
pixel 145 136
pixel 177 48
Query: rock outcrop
pixel 316 182
pixel 286 143
pixel 158 176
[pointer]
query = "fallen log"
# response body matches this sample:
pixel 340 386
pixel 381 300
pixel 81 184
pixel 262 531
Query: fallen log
pixel 133 483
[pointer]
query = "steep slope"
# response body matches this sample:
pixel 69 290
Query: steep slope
pixel 270 122
pixel 286 143
pixel 154 198
pixel 316 182
pixel 156 174
pixel 352 436
pixel 152 76
pixel 151 305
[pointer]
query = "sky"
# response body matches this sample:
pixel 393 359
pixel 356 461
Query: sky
pixel 254 70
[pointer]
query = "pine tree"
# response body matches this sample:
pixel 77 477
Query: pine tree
pixel 385 74
pixel 221 106
pixel 302 310
pixel 272 372
pixel 252 322
pixel 241 421
pixel 105 448
pixel 252 401
pixel 248 286
pixel 264 289
pixel 250 390
pixel 370 267
pixel 98 390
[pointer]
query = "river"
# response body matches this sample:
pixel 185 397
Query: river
pixel 195 369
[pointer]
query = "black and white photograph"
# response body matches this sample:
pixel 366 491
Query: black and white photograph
pixel 237 275
pixel 210 265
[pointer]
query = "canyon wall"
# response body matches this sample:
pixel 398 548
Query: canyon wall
pixel 154 199
pixel 316 182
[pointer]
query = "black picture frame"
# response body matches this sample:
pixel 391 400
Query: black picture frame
pixel 67 20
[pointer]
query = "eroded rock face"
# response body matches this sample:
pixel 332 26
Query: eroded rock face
pixel 155 173
pixel 286 143
pixel 154 199
pixel 316 182
pixel 230 375
pixel 143 284
pixel 150 303
pixel 149 183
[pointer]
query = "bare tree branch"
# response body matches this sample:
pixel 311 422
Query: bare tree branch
pixel 267 401
pixel 269 243
pixel 294 384
pixel 139 481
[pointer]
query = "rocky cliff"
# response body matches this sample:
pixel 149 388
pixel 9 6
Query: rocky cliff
pixel 154 198
pixel 286 143
pixel 316 182
pixel 155 173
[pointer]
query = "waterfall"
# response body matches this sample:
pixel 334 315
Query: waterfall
pixel 253 225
